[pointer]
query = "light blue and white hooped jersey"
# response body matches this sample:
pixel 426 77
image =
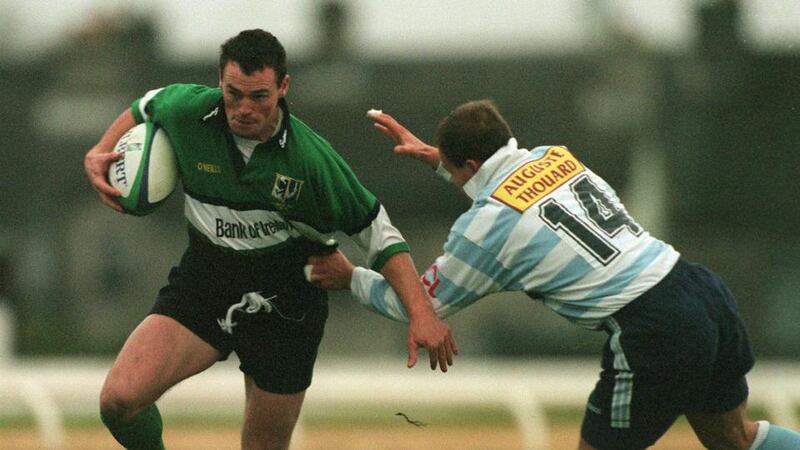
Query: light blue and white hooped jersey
pixel 541 223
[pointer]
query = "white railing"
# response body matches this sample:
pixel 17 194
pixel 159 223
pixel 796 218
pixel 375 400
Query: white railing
pixel 53 389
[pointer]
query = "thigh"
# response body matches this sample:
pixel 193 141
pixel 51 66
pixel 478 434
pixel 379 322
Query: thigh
pixel 158 354
pixel 269 418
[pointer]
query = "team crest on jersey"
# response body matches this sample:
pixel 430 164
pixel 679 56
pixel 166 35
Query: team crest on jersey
pixel 286 189
pixel 534 179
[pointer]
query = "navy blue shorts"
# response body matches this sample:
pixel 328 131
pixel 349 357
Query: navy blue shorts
pixel 276 343
pixel 679 348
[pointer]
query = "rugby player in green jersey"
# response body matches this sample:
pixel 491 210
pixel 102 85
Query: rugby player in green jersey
pixel 263 192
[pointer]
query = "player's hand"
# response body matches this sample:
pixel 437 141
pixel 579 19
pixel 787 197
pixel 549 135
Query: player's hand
pixel 430 332
pixel 331 271
pixel 406 143
pixel 96 164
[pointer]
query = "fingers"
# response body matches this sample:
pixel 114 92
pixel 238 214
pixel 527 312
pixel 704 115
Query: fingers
pixel 386 132
pixel 114 156
pixel 441 355
pixel 104 160
pixel 436 338
pixel 329 271
pixel 451 349
pixel 96 165
pixel 406 149
pixel 452 345
pixel 97 168
pixel 111 203
pixel 434 357
pixel 412 354
pixel 387 125
pixel 443 359
pixel 445 353
pixel 105 189
pixel 384 119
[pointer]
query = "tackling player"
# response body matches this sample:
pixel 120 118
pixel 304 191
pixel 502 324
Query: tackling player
pixel 545 224
pixel 263 192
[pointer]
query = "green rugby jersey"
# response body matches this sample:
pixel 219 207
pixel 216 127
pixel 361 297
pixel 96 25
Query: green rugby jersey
pixel 294 188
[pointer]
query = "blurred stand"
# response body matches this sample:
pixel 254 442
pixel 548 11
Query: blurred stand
pixel 622 107
pixel 331 76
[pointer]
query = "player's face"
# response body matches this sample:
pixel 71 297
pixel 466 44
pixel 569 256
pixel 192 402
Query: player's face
pixel 251 101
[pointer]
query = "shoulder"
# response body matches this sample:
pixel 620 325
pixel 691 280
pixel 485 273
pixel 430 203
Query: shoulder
pixel 176 101
pixel 305 135
pixel 189 97
pixel 314 148
pixel 484 215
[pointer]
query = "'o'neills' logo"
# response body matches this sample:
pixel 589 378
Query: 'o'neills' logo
pixel 533 180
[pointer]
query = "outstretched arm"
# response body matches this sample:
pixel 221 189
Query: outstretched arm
pixel 100 157
pixel 452 284
pixel 334 271
pixel 406 143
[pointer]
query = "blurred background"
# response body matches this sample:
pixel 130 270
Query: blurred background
pixel 690 108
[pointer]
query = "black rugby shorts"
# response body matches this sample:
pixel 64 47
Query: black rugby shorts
pixel 679 348
pixel 276 341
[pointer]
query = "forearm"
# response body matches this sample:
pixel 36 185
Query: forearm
pixel 449 285
pixel 374 293
pixel 401 274
pixel 430 156
pixel 121 124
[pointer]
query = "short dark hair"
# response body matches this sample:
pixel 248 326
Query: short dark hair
pixel 474 130
pixel 254 50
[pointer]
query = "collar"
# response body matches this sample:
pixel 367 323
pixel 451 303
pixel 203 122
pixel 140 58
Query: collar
pixel 491 168
pixel 215 116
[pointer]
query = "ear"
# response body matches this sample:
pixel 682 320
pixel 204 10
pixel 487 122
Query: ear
pixel 473 165
pixel 284 89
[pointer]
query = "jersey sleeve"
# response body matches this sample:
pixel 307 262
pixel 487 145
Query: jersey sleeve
pixel 140 106
pixel 167 103
pixel 380 240
pixel 351 208
pixel 457 279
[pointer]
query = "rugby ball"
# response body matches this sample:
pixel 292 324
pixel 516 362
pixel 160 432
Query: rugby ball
pixel 148 172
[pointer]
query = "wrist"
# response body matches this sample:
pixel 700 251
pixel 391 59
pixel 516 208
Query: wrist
pixel 432 157
pixel 420 310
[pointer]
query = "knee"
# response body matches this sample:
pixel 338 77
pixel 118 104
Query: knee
pixel 725 438
pixel 117 405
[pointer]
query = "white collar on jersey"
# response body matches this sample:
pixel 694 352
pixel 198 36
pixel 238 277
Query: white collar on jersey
pixel 502 159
